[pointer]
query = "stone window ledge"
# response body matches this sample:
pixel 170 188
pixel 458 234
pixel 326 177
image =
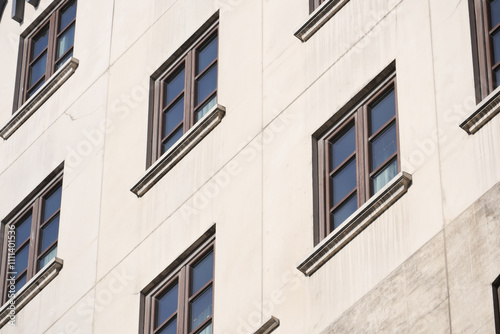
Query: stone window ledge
pixel 318 18
pixel 42 95
pixel 30 289
pixel 485 111
pixel 356 223
pixel 182 147
pixel 269 326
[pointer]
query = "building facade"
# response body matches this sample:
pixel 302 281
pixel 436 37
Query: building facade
pixel 244 166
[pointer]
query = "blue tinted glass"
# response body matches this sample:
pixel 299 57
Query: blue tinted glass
pixel 206 55
pixel 49 234
pixel 495 39
pixel 384 176
pixel 202 273
pixel 201 309
pixel 51 204
pixel 37 70
pixel 206 84
pixel 64 60
pixel 173 116
pixel 206 330
pixel 22 259
pixel 205 109
pixel 173 87
pixel 383 147
pixel 381 111
pixel 35 88
pixel 67 15
pixel 172 140
pixel 171 328
pixel 65 41
pixel 494 12
pixel 343 182
pixel 40 42
pixel 47 258
pixel 343 147
pixel 344 211
pixel 23 231
pixel 496 81
pixel 166 305
pixel 20 283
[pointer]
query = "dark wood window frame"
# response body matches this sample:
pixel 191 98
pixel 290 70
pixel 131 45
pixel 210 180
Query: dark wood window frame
pixel 179 276
pixel 482 48
pixel 50 21
pixel 354 114
pixel 496 303
pixel 32 206
pixel 313 4
pixel 185 59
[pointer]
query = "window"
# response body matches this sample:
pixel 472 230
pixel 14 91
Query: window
pixel 496 303
pixel 313 4
pixel 184 92
pixel 183 301
pixel 31 236
pixel 46 49
pixel 485 17
pixel 357 156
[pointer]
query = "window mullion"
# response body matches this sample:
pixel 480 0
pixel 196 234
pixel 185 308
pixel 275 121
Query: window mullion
pixel 181 306
pixel 361 158
pixel 488 45
pixel 51 46
pixel 189 90
pixel 35 223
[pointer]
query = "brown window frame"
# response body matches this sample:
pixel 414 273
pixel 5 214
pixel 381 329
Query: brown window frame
pixel 496 303
pixel 180 275
pixel 355 114
pixel 50 22
pixel 313 4
pixel 32 205
pixel 482 48
pixel 184 59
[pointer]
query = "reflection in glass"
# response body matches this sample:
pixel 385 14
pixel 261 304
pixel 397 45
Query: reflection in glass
pixel 21 259
pixel 67 16
pixel 343 147
pixel 171 328
pixel 384 176
pixel 51 204
pixel 344 211
pixel 205 109
pixel 494 12
pixel 382 111
pixel 49 234
pixel 206 330
pixel 201 309
pixel 202 272
pixel 206 55
pixel 23 231
pixel 206 84
pixel 37 70
pixel 383 147
pixel 167 305
pixel 47 258
pixel 173 87
pixel 20 283
pixel 496 47
pixel 65 41
pixel 35 88
pixel 40 42
pixel 62 61
pixel 172 140
pixel 343 182
pixel 173 116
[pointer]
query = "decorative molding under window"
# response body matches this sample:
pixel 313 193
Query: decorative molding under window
pixel 36 101
pixel 269 326
pixel 485 111
pixel 182 147
pixel 318 18
pixel 30 289
pixel 356 223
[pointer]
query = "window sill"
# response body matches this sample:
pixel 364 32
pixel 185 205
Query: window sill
pixel 269 326
pixel 187 142
pixel 318 18
pixel 485 111
pixel 36 101
pixel 31 289
pixel 356 223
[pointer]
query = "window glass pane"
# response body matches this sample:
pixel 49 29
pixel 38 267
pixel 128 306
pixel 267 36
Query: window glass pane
pixel 173 116
pixel 202 273
pixel 384 176
pixel 382 111
pixel 495 40
pixel 21 282
pixel 22 259
pixel 494 12
pixel 206 55
pixel 383 147
pixel 65 41
pixel 166 305
pixel 205 109
pixel 23 231
pixel 47 258
pixel 344 211
pixel 63 60
pixel 172 140
pixel 206 330
pixel 40 42
pixel 52 203
pixel 67 15
pixel 342 147
pixel 35 88
pixel 206 84
pixel 49 234
pixel 171 328
pixel 201 309
pixel 173 87
pixel 343 182
pixel 37 70
pixel 496 80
